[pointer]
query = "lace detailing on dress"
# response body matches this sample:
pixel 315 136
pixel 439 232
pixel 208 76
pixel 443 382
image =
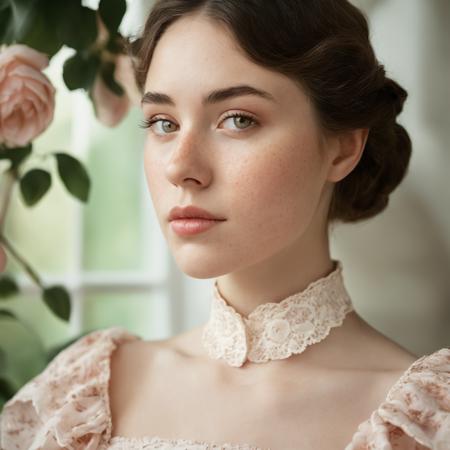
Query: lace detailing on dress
pixel 66 405
pixel 416 412
pixel 157 443
pixel 276 330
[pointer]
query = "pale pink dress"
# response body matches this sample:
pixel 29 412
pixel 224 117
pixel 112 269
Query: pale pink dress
pixel 67 407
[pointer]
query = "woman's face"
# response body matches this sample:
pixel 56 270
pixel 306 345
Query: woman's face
pixel 264 175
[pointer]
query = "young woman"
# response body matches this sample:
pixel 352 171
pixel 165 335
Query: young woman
pixel 268 122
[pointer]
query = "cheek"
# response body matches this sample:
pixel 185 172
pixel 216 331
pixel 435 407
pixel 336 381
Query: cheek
pixel 276 194
pixel 154 173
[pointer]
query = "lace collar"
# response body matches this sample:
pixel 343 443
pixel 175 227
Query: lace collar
pixel 276 330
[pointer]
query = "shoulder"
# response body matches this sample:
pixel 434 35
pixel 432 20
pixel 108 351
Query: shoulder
pixel 131 365
pixel 416 411
pixel 64 405
pixel 136 364
pixel 368 348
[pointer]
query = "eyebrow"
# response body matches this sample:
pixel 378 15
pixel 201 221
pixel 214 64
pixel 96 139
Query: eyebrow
pixel 215 96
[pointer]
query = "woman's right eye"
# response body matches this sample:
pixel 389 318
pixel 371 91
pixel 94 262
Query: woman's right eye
pixel 149 123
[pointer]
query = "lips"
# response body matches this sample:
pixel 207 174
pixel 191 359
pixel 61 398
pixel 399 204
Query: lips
pixel 189 227
pixel 192 212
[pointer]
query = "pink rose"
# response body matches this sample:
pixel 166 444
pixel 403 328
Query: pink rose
pixel 27 98
pixel 110 108
pixel 2 259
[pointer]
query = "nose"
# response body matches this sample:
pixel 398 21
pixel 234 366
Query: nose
pixel 188 164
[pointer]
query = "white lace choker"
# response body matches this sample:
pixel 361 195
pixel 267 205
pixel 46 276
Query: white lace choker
pixel 276 330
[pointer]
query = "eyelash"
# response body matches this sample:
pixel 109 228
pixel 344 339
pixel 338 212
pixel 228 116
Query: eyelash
pixel 147 123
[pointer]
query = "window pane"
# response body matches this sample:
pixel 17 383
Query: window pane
pixel 145 314
pixel 113 216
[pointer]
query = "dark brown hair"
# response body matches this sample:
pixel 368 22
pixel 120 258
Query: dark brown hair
pixel 324 46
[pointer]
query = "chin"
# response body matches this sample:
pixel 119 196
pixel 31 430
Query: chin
pixel 200 265
pixel 201 272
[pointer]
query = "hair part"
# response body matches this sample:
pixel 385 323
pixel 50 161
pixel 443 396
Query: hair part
pixel 323 46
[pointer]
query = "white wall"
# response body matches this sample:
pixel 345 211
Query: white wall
pixel 398 264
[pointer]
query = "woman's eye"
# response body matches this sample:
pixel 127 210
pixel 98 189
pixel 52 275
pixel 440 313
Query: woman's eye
pixel 241 121
pixel 164 126
pixel 149 123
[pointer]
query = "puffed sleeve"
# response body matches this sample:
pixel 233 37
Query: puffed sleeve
pixel 416 412
pixel 66 405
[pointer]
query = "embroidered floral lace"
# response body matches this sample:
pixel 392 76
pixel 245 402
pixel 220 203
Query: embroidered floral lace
pixel 277 330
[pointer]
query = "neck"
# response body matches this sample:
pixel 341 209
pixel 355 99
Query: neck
pixel 287 272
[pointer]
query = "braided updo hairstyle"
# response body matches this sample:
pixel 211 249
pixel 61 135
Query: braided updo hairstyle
pixel 324 46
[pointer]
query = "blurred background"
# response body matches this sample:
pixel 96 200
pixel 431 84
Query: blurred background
pixel 112 256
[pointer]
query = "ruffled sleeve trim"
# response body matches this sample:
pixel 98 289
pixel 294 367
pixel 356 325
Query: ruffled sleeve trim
pixel 66 405
pixel 416 412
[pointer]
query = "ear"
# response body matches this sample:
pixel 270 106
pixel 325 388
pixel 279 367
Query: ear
pixel 346 149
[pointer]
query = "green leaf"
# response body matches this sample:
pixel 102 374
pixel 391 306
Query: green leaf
pixel 41 34
pixel 79 71
pixel 6 29
pixel 34 185
pixel 8 286
pixel 3 360
pixel 7 314
pixel 6 389
pixel 77 26
pixel 15 155
pixel 107 74
pixel 58 300
pixel 73 175
pixel 21 15
pixel 111 13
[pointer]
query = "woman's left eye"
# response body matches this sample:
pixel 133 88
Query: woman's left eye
pixel 243 120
